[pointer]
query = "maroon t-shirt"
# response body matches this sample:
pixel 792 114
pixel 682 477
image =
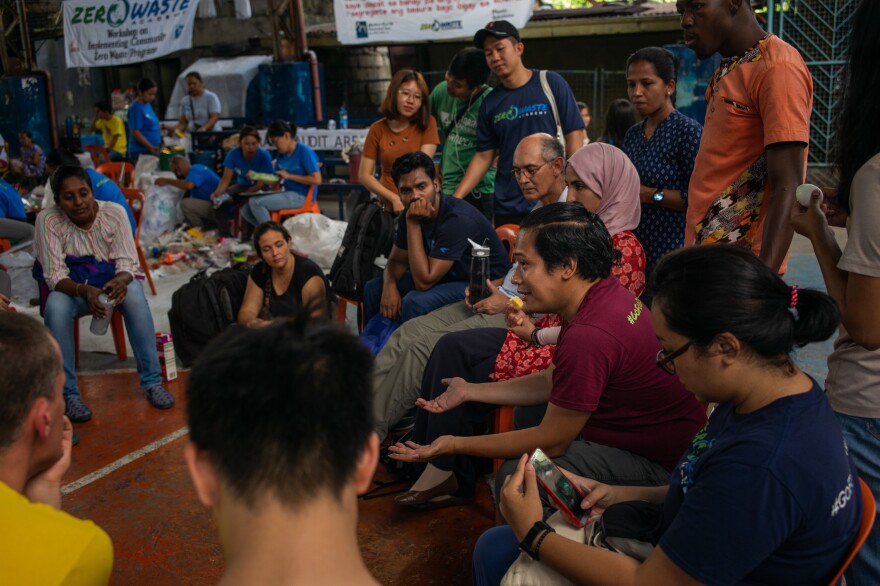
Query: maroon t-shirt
pixel 606 364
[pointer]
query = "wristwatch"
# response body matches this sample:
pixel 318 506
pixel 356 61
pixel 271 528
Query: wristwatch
pixel 658 195
pixel 534 338
pixel 537 529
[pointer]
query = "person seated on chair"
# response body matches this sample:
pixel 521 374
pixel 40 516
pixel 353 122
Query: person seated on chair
pixel 113 131
pixel 104 188
pixel 85 248
pixel 199 182
pixel 41 543
pixel 13 219
pixel 765 493
pixel 283 282
pixel 244 159
pixel 281 443
pixel 611 411
pixel 429 264
pixel 297 165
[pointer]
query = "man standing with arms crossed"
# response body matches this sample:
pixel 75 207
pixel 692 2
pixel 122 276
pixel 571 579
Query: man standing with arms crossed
pixel 517 107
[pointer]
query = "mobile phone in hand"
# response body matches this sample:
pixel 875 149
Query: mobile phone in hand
pixel 564 494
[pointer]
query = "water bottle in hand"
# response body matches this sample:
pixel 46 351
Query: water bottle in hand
pixel 477 287
pixel 99 326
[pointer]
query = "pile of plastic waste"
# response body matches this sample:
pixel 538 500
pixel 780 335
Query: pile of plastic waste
pixel 189 248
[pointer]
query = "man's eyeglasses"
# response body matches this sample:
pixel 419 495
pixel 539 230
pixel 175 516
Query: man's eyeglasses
pixel 409 95
pixel 529 170
pixel 665 357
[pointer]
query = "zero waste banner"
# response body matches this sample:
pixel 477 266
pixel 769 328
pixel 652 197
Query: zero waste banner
pixel 98 33
pixel 378 21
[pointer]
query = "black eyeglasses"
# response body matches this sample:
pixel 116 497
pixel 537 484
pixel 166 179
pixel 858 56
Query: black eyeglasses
pixel 665 358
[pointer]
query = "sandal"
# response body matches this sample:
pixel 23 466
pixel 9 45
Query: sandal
pixel 159 397
pixel 76 410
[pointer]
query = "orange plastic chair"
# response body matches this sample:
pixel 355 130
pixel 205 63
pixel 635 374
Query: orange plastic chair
pixel 309 207
pixel 98 153
pixel 869 513
pixel 122 174
pixel 508 233
pixel 116 328
pixel 136 200
pixel 5 244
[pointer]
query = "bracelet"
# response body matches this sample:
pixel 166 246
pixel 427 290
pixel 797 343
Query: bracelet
pixel 537 548
pixel 534 338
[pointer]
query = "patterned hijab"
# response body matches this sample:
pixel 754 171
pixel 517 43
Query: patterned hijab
pixel 608 172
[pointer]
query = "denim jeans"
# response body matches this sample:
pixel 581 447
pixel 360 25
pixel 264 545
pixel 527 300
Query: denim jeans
pixel 257 209
pixel 62 309
pixel 862 436
pixel 414 302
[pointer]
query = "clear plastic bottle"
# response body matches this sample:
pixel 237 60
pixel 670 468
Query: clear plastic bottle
pixel 478 289
pixel 343 118
pixel 331 124
pixel 99 326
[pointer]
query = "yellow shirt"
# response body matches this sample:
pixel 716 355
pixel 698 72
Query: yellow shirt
pixel 110 127
pixel 42 546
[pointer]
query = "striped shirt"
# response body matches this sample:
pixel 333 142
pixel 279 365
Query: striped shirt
pixel 108 239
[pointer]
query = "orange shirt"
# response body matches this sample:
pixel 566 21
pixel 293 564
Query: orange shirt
pixel 765 98
pixel 384 145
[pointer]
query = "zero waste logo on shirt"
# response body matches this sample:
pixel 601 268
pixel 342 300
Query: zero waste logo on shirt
pixel 515 113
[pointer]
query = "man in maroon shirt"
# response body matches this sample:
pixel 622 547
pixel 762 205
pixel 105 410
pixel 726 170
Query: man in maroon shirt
pixel 612 414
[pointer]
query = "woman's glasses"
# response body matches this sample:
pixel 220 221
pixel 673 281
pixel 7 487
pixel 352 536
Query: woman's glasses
pixel 665 357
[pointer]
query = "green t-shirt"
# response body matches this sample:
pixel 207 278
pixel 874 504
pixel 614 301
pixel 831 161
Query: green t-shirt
pixel 460 144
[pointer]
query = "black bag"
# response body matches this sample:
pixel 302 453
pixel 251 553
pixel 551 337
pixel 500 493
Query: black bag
pixel 370 234
pixel 204 307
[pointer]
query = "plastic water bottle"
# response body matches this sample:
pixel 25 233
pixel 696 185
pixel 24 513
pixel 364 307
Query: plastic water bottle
pixel 478 289
pixel 343 118
pixel 331 124
pixel 99 326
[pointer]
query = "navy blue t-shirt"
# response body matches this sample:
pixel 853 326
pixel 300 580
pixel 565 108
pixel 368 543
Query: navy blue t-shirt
pixel 508 116
pixel 204 181
pixel 768 497
pixel 447 238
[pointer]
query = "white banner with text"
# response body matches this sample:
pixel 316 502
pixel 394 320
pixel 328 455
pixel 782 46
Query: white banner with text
pixel 380 21
pixel 98 33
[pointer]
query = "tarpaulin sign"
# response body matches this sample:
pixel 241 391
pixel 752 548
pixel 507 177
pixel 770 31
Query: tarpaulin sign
pixel 114 32
pixel 378 21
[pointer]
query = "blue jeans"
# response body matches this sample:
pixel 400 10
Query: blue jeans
pixel 495 552
pixel 257 209
pixel 415 302
pixel 862 436
pixel 62 309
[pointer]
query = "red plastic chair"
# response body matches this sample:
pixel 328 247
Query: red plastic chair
pixel 136 200
pixel 508 233
pixel 122 174
pixel 310 206
pixel 116 328
pixel 98 153
pixel 869 513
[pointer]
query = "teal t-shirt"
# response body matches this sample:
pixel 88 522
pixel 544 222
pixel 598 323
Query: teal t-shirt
pixel 460 143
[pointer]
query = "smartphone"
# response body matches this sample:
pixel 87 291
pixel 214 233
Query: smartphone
pixel 561 490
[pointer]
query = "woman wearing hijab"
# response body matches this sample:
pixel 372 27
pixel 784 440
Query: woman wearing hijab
pixel 603 180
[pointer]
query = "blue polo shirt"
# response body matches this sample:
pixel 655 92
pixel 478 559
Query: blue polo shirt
pixel 260 163
pixel 106 190
pixel 446 238
pixel 302 161
pixel 204 180
pixel 11 205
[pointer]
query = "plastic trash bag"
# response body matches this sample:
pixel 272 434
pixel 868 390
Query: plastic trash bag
pixel 161 211
pixel 19 265
pixel 317 237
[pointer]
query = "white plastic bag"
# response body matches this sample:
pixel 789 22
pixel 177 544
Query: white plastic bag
pixel 146 164
pixel 243 9
pixel 316 236
pixel 19 265
pixel 161 211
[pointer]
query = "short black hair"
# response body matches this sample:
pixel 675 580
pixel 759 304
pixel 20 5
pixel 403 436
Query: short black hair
pixel 145 84
pixel 704 291
pixel 194 74
pixel 64 172
pixel 285 409
pixel 62 157
pixel 567 231
pixel 663 60
pixel 620 117
pixel 27 371
pixel 103 107
pixel 409 162
pixel 469 65
pixel 280 127
pixel 27 133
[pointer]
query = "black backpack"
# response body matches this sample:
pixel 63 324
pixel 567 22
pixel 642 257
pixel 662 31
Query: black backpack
pixel 369 235
pixel 204 307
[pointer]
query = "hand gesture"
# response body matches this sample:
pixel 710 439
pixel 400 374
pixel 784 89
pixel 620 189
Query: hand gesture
pixel 598 496
pixel 4 302
pixel 519 323
pixel 45 487
pixel 420 210
pixel 494 304
pixel 391 303
pixel 810 221
pixel 116 290
pixel 454 395
pixel 413 452
pixel 520 500
pixel 95 307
